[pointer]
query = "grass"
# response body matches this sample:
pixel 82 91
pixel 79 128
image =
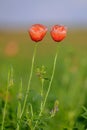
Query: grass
pixel 69 86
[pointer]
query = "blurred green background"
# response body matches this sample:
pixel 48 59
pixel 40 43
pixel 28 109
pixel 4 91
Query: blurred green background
pixel 69 86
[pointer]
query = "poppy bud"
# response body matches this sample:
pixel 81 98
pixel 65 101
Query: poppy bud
pixel 58 32
pixel 37 32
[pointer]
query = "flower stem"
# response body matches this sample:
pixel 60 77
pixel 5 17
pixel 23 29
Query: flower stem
pixel 42 90
pixel 49 87
pixel 29 82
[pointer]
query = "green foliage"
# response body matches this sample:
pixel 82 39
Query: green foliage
pixel 68 94
pixel 84 115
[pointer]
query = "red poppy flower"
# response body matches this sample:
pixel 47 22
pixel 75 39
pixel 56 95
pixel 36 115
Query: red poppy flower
pixel 37 32
pixel 58 32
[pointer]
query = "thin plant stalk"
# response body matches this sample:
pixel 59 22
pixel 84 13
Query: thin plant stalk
pixel 4 111
pixel 6 101
pixel 42 89
pixel 17 127
pixel 49 87
pixel 19 106
pixel 29 82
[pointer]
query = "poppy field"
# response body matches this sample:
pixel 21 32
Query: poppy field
pixel 66 104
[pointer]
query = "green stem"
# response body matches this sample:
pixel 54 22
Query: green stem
pixel 29 82
pixel 42 89
pixel 49 87
pixel 19 106
pixel 4 111
pixel 18 126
